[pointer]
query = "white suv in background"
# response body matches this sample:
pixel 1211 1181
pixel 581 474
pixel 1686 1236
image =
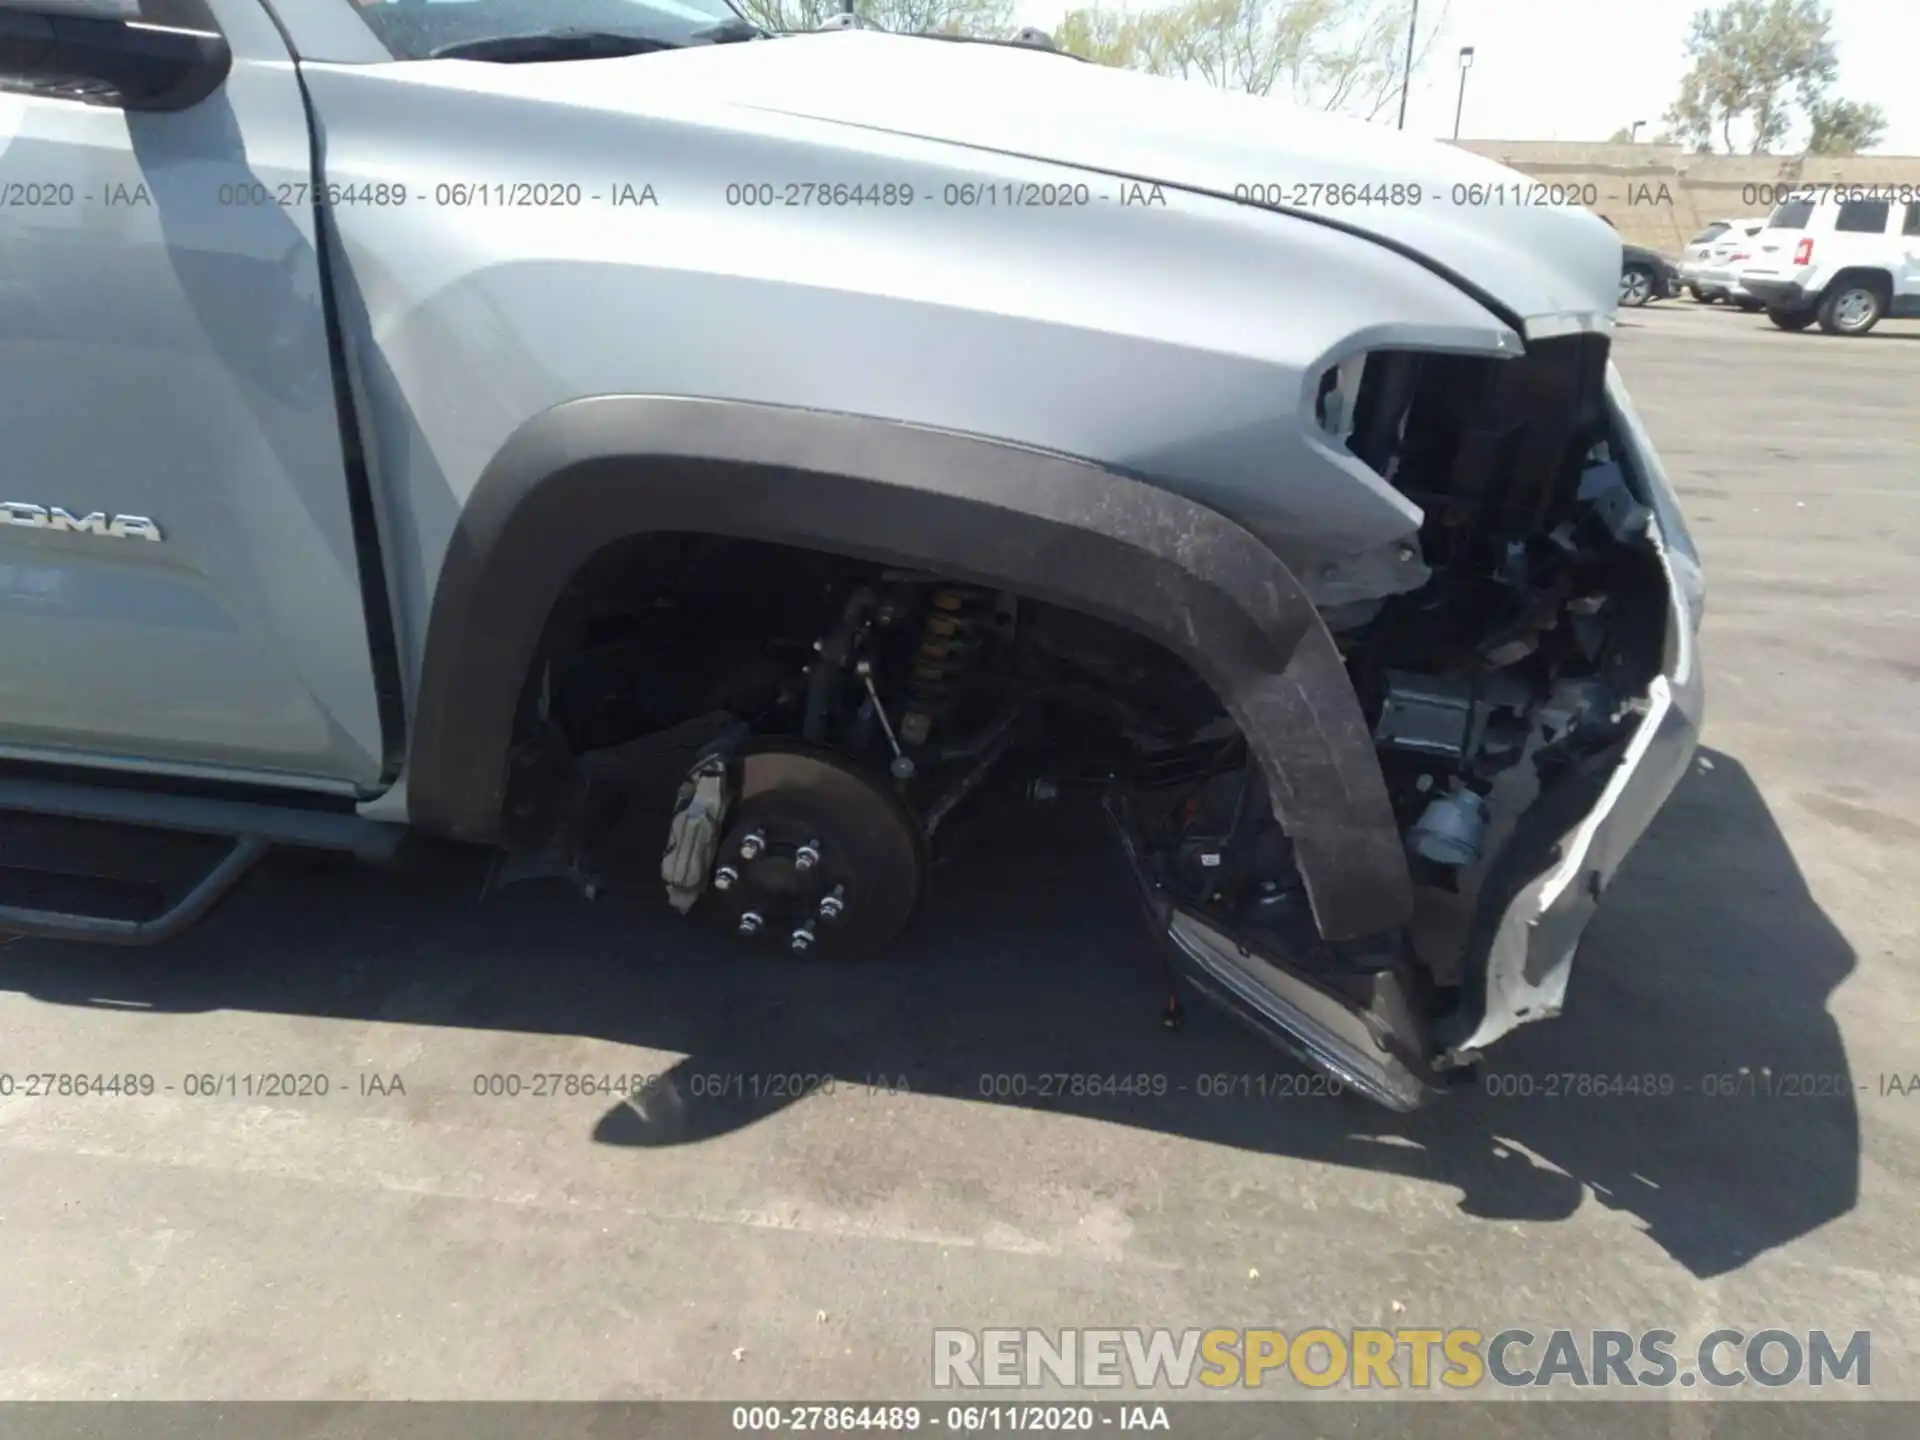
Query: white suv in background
pixel 1695 254
pixel 1712 269
pixel 1845 257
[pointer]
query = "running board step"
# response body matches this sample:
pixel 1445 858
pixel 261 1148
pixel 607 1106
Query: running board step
pixel 294 825
pixel 104 930
pixel 72 831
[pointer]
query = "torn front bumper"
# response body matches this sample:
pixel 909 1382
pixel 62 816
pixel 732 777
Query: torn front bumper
pixel 1526 947
pixel 1529 955
pixel 1368 1030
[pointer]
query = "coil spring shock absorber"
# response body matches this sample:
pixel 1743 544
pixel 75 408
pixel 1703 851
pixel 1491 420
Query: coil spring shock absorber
pixel 950 639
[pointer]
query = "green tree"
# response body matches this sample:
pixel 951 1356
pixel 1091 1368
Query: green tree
pixel 1757 66
pixel 1622 136
pixel 943 17
pixel 1332 54
pixel 1843 127
pixel 1128 41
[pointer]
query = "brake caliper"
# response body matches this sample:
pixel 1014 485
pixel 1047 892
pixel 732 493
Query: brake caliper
pixel 693 839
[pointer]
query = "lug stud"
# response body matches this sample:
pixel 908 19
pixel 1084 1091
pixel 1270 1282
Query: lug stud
pixel 724 877
pixel 807 856
pixel 803 939
pixel 752 845
pixel 751 922
pixel 834 905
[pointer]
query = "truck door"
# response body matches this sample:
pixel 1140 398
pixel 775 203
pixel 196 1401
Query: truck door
pixel 179 585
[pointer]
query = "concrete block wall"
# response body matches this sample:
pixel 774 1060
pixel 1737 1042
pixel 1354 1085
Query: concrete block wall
pixel 1663 195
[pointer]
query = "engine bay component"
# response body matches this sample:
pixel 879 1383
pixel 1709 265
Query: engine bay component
pixel 821 855
pixel 1450 830
pixel 1605 488
pixel 1426 714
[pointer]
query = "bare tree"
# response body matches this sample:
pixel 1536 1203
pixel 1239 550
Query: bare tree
pixel 941 17
pixel 1128 41
pixel 1342 55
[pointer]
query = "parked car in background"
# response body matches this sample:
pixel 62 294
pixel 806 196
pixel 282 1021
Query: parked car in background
pixel 1696 250
pixel 1711 271
pixel 1846 263
pixel 1645 275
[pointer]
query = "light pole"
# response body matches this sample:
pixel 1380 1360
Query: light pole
pixel 1634 137
pixel 1466 64
pixel 1413 23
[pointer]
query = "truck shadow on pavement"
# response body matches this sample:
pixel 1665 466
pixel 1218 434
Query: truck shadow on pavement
pixel 1706 976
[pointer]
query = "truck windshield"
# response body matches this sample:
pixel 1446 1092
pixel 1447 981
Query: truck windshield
pixel 418 29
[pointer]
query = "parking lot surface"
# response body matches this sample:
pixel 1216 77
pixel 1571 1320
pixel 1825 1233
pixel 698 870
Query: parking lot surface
pixel 410 1234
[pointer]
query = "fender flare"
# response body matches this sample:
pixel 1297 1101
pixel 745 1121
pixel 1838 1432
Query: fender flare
pixel 1045 525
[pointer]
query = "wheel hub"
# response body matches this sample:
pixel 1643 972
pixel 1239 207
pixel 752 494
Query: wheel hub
pixel 821 857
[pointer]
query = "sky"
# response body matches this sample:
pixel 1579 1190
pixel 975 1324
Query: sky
pixel 1580 69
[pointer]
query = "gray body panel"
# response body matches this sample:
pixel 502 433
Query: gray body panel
pixel 1072 330
pixel 164 354
pixel 1176 342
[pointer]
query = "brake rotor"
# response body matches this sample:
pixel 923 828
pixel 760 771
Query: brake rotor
pixel 820 857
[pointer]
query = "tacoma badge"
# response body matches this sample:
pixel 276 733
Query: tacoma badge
pixel 45 517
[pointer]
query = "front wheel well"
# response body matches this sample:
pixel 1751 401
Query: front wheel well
pixel 1062 531
pixel 655 631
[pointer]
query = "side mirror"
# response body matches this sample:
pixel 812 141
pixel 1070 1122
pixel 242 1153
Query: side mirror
pixel 100 52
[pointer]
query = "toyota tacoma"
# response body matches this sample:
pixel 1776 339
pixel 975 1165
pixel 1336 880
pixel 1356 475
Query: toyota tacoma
pixel 679 456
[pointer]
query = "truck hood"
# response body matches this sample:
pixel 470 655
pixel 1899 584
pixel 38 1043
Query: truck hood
pixel 1553 269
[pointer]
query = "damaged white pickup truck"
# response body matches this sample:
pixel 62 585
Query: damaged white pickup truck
pixel 598 430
